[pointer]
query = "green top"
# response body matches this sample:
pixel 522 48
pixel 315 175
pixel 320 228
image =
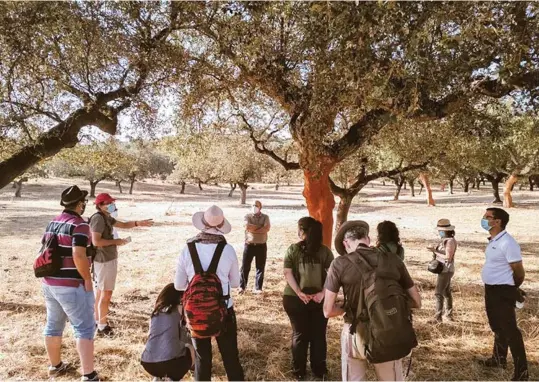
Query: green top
pixel 309 276
pixel 394 248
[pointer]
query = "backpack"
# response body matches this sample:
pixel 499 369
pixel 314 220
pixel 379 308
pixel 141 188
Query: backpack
pixel 203 301
pixel 382 328
pixel 91 250
pixel 48 262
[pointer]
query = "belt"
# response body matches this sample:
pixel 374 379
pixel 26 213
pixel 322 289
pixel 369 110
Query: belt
pixel 255 244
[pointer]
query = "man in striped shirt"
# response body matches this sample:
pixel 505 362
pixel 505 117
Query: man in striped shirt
pixel 69 293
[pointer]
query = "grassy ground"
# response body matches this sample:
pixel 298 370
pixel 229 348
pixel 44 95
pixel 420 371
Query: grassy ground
pixel 446 351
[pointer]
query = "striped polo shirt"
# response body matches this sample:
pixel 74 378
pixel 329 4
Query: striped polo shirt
pixel 72 231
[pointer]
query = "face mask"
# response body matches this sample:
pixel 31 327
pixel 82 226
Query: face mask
pixel 256 210
pixel 111 208
pixel 114 214
pixel 484 225
pixel 442 234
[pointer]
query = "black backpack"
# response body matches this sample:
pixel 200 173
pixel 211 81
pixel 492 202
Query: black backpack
pixel 382 327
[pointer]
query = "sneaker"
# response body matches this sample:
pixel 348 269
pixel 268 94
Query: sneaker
pixel 85 378
pixel 106 332
pixel 60 370
pixel 258 291
pixel 493 362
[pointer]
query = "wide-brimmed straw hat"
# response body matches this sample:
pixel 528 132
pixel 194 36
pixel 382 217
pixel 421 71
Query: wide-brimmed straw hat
pixel 212 221
pixel 444 225
pixel 339 246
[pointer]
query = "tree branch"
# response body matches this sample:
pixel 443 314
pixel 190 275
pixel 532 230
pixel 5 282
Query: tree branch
pixel 501 87
pixel 396 171
pixel 260 148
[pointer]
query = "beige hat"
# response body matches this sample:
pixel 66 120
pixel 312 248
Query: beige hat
pixel 339 246
pixel 212 221
pixel 444 225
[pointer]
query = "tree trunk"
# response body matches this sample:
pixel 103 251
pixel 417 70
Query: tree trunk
pixel 404 185
pixel 276 186
pixel 232 188
pixel 411 183
pixel 531 182
pixel 478 184
pixel 343 209
pixel 451 185
pixel 425 182
pixel 132 181
pixel 466 186
pixel 420 187
pixel 383 182
pixel 507 197
pixel 200 185
pixel 92 187
pixel 320 200
pixel 442 186
pixel 119 185
pixel 182 184
pixel 243 188
pixel 399 181
pixel 496 190
pixel 18 186
pixel 14 185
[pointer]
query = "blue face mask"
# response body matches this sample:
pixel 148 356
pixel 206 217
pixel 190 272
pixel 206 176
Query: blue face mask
pixel 442 234
pixel 484 225
pixel 111 208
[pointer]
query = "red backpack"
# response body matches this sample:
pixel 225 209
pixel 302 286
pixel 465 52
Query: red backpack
pixel 48 261
pixel 203 300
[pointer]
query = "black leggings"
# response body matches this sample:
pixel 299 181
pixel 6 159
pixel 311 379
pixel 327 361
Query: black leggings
pixel 175 368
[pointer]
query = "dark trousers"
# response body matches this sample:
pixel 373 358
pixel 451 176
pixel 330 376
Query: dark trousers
pixel 500 304
pixel 227 342
pixel 308 328
pixel 443 292
pixel 259 252
pixel 175 368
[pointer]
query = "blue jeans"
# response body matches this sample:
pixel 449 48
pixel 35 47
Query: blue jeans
pixel 69 303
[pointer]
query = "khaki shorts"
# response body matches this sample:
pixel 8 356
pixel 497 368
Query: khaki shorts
pixel 354 369
pixel 105 274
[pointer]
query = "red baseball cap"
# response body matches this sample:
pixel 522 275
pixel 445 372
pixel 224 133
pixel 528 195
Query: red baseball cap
pixel 104 198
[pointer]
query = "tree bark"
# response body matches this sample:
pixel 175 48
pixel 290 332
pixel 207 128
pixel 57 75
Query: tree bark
pixel 420 187
pixel 320 200
pixel 132 180
pixel 425 182
pixel 411 183
pixel 119 185
pixel 182 184
pixel 93 184
pixel 495 183
pixel 200 185
pixel 399 181
pixel 466 186
pixel 276 186
pixel 451 185
pixel 507 197
pixel 232 188
pixel 18 186
pixel 343 209
pixel 62 135
pixel 243 188
pixel 531 182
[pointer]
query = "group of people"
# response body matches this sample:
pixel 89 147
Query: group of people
pixel 377 287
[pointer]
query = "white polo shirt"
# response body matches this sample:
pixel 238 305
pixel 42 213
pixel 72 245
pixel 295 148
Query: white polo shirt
pixel 501 251
pixel 227 269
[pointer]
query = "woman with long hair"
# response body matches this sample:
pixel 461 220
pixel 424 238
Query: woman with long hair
pixel 168 352
pixel 305 268
pixel 389 238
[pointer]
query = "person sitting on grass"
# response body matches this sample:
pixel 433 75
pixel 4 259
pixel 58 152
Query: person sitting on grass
pixel 169 352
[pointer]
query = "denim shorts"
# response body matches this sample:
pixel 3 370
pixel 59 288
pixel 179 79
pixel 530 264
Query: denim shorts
pixel 69 303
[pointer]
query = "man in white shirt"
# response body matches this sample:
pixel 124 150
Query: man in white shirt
pixel 213 226
pixel 502 274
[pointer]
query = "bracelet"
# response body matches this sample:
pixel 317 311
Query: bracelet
pixel 136 225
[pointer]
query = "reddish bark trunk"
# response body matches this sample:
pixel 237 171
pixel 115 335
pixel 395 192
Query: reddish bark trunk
pixel 320 200
pixel 509 184
pixel 425 181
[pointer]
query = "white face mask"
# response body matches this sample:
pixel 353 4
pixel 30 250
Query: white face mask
pixel 114 214
pixel 256 210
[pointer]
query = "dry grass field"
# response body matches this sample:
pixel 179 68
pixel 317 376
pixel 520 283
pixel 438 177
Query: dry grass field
pixel 446 352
